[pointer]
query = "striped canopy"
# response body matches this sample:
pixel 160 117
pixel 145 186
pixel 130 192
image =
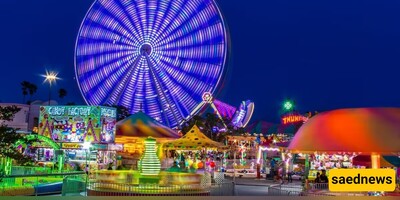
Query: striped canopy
pixel 360 130
pixel 141 125
pixel 193 140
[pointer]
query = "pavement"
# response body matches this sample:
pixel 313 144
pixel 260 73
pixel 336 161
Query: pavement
pixel 261 182
pixel 259 187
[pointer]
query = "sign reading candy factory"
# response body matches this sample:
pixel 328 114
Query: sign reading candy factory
pixel 78 124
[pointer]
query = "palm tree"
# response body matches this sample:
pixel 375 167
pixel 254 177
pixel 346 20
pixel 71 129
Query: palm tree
pixel 25 86
pixel 62 93
pixel 32 90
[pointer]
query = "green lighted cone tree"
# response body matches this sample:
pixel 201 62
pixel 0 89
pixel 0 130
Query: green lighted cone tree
pixel 151 164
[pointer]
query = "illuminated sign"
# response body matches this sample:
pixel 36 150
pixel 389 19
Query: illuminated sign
pixel 99 146
pixel 293 118
pixel 115 147
pixel 80 124
pixel 108 112
pixel 72 146
pixel 43 141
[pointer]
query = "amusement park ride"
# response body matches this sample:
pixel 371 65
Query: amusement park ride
pixel 238 117
pixel 163 64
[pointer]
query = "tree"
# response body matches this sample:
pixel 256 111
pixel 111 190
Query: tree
pixel 32 88
pixel 62 93
pixel 25 87
pixel 9 137
pixel 195 120
pixel 210 125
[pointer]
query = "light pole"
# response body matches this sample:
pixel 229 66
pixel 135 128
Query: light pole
pixel 86 146
pixel 51 77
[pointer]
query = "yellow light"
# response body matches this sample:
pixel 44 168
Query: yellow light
pixel 375 161
pixel 50 77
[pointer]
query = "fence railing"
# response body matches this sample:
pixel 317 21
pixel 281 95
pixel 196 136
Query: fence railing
pixel 117 189
pixel 79 184
pixel 319 186
pixel 285 190
pixel 37 184
pixel 319 189
pixel 23 170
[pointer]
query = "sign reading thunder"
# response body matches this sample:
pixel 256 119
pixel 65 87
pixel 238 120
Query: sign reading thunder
pixel 293 118
pixel 78 123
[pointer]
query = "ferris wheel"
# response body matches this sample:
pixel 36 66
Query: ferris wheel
pixel 155 56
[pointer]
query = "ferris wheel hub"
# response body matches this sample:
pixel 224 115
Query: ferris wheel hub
pixel 145 49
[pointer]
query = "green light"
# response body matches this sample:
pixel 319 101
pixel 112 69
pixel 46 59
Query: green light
pixel 150 164
pixel 288 105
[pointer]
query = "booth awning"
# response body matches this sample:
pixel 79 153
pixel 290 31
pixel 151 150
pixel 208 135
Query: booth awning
pixel 193 140
pixel 141 125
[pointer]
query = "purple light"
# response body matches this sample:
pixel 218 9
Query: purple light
pixel 225 109
pixel 146 55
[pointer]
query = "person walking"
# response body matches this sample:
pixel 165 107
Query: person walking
pixel 290 171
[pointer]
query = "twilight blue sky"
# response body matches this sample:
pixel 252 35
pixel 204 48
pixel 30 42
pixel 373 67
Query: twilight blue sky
pixel 323 54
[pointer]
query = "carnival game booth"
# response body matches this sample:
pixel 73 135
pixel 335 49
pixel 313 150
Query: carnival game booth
pixel 333 139
pixel 195 151
pixel 83 132
pixel 131 133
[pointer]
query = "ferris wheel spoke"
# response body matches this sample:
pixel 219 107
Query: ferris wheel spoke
pixel 98 47
pixel 149 16
pixel 132 22
pixel 197 86
pixel 172 86
pixel 119 89
pixel 92 63
pixel 200 37
pixel 107 77
pixel 133 86
pixel 194 17
pixel 106 19
pixel 166 101
pixel 95 31
pixel 184 71
pixel 171 14
pixel 133 13
pixel 207 54
pixel 158 12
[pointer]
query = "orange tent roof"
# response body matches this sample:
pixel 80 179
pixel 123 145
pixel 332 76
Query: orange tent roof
pixel 193 140
pixel 361 130
pixel 141 125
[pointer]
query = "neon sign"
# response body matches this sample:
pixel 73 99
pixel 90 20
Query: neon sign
pixel 108 112
pixel 293 118
pixel 80 124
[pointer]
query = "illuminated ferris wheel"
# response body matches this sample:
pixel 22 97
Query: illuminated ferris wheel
pixel 155 56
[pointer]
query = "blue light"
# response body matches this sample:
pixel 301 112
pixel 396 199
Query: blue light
pixel 146 54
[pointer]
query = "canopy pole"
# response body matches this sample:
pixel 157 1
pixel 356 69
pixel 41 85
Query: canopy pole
pixel 375 161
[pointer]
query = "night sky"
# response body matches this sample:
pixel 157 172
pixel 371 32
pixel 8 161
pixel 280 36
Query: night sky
pixel 324 55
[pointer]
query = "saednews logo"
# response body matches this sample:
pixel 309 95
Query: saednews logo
pixel 361 180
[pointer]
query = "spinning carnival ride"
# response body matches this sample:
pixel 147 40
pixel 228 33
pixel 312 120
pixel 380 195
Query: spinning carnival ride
pixel 238 117
pixel 155 56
